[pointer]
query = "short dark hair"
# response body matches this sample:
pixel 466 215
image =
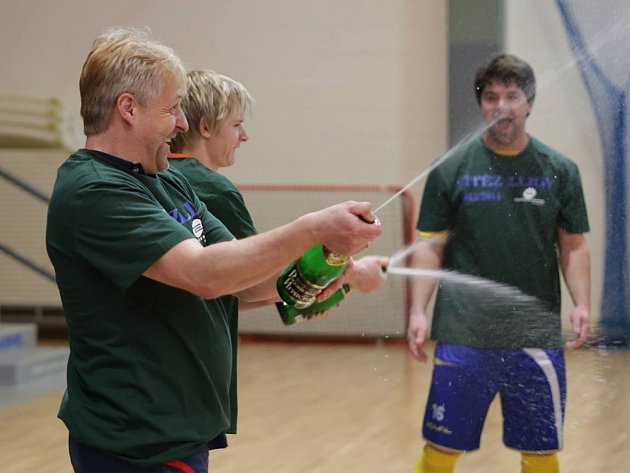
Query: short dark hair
pixel 507 69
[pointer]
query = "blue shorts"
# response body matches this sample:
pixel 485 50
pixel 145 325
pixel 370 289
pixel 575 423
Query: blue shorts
pixel 531 383
pixel 87 459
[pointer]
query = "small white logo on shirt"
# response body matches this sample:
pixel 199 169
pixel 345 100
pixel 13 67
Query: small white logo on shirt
pixel 529 193
pixel 197 228
pixel 529 196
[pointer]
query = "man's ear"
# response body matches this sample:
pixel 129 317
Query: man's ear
pixel 204 129
pixel 531 105
pixel 127 107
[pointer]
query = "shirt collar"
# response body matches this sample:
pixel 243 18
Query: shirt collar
pixel 133 168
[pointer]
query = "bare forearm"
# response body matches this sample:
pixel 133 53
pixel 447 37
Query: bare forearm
pixel 230 267
pixel 261 294
pixel 575 263
pixel 427 256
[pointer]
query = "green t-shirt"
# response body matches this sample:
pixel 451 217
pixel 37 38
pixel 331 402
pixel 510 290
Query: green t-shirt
pixel 225 202
pixel 502 214
pixel 150 365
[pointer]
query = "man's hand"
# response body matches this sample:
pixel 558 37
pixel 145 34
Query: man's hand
pixel 581 327
pixel 366 274
pixel 417 335
pixel 363 275
pixel 344 228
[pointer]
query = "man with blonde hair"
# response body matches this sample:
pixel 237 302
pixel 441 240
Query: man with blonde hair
pixel 215 107
pixel 140 264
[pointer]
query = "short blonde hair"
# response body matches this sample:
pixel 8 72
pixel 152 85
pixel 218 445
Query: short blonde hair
pixel 213 98
pixel 123 60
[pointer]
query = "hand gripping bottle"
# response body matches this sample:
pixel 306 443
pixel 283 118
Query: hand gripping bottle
pixel 302 281
pixel 291 315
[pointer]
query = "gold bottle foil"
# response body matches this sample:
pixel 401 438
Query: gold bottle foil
pixel 334 259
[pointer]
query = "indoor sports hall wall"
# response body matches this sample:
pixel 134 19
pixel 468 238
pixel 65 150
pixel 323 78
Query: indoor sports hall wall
pixel 29 296
pixel 563 115
pixel 347 92
pixel 380 314
pixel 23 228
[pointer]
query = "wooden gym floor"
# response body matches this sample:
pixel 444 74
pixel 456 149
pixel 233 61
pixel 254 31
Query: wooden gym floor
pixel 346 408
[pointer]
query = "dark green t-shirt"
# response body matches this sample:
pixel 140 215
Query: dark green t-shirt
pixel 150 365
pixel 502 214
pixel 225 202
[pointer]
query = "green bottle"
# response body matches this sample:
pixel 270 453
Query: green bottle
pixel 303 280
pixel 291 315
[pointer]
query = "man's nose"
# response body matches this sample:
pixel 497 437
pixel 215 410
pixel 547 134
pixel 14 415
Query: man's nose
pixel 181 123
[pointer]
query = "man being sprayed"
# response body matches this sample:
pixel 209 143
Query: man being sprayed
pixel 506 208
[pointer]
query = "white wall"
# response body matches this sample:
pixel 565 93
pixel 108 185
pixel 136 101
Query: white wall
pixel 563 115
pixel 347 91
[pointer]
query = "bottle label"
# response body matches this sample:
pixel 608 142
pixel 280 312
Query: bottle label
pixel 299 289
pixel 334 259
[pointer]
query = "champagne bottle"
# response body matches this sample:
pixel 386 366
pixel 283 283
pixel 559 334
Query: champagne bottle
pixel 301 282
pixel 291 315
